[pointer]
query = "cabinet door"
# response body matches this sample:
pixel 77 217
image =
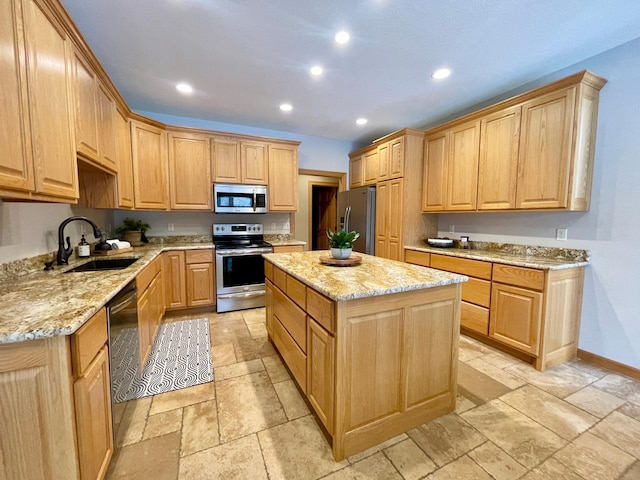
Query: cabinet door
pixel 269 307
pixel 86 111
pixel 434 180
pixel 200 284
pixel 498 168
pixel 145 318
pixel 396 158
pixel 515 317
pixel 106 129
pixel 174 271
pixel 382 215
pixel 48 78
pixel 125 165
pixel 149 154
pixel 283 178
pixel 320 372
pixel 545 150
pixel 253 163
pixel 226 160
pixel 383 161
pixel 356 174
pixel 394 219
pixel 93 418
pixel 370 167
pixel 189 171
pixel 462 167
pixel 16 162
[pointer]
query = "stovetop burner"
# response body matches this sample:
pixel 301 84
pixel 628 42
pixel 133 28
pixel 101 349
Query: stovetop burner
pixel 238 235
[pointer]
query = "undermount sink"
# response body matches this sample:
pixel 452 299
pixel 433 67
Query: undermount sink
pixel 104 264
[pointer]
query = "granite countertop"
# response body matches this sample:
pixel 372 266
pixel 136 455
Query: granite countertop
pixel 46 304
pixel 530 261
pixel 374 276
pixel 281 240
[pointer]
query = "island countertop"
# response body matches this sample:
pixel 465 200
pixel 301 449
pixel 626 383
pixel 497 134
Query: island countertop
pixel 374 276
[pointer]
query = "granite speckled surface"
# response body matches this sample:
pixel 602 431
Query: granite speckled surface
pixel 281 240
pixel 374 276
pixel 525 258
pixel 45 304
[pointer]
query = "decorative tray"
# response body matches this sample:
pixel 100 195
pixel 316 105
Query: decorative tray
pixel 336 262
pixel 116 251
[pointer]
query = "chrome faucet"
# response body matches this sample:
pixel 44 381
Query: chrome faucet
pixel 65 253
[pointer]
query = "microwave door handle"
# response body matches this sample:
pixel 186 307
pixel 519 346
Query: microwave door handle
pixel 255 202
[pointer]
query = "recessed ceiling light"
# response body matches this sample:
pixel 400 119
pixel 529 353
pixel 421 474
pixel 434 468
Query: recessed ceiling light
pixel 184 87
pixel 316 70
pixel 286 107
pixel 361 121
pixel 342 37
pixel 441 73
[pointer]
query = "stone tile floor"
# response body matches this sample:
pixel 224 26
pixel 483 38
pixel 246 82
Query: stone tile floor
pixel 574 421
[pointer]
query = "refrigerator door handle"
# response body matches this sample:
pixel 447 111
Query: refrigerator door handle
pixel 347 214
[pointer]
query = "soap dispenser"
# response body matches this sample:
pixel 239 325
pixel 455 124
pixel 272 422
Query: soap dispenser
pixel 84 249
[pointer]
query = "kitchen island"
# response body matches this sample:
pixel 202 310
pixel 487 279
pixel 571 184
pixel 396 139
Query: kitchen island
pixel 373 347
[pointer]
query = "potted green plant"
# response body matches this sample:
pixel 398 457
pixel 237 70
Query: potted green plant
pixel 341 243
pixel 132 231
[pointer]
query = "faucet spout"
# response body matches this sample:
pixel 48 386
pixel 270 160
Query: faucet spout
pixel 64 253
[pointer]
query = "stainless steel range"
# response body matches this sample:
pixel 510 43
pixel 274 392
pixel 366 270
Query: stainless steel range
pixel 239 265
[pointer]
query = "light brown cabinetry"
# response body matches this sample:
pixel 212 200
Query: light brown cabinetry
pixel 189 171
pixel 38 157
pixel 92 391
pixel 371 368
pixel 106 129
pixel 283 178
pixel 125 193
pixel 151 305
pixel 389 201
pixel 371 167
pixel 382 161
pixel 535 152
pixel 287 248
pixel 254 158
pixel 239 161
pixel 531 313
pixel 189 278
pixel 356 173
pixel 149 156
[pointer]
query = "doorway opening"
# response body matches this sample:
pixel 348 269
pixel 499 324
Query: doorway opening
pixel 323 207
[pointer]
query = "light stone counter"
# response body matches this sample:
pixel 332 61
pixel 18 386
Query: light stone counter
pixel 374 276
pixel 529 261
pixel 45 304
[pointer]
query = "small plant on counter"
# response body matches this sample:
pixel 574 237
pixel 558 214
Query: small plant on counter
pixel 341 243
pixel 133 231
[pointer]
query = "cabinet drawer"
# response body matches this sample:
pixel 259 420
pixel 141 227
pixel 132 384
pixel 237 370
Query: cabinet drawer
pixel 477 291
pixel 417 258
pixel 87 341
pixel 145 276
pixel 295 358
pixel 268 270
pixel 199 256
pixel 474 318
pixel 280 278
pixel 321 309
pixel 288 248
pixel 292 317
pixel 519 276
pixel 464 266
pixel 297 291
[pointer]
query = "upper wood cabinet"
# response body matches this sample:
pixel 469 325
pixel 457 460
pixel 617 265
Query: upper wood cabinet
pixel 535 152
pixel 38 153
pixel 283 178
pixel 356 172
pixel 389 202
pixel 384 160
pixel 498 167
pixel 149 154
pixel 239 161
pixel 106 129
pixel 371 167
pixel 16 161
pixel 189 171
pixel 125 164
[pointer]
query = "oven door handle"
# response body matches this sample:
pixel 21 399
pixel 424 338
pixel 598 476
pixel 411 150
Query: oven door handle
pixel 243 252
pixel 125 301
pixel 255 293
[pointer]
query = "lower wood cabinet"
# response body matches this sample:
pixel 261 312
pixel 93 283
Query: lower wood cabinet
pixel 189 278
pixel 523 310
pixel 320 377
pixel 287 248
pixel 151 306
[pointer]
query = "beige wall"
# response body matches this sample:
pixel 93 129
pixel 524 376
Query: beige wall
pixel 302 217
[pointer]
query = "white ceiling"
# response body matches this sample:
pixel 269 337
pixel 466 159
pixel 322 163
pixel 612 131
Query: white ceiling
pixel 245 57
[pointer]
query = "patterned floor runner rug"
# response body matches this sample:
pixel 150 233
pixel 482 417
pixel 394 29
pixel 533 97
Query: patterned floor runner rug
pixel 180 357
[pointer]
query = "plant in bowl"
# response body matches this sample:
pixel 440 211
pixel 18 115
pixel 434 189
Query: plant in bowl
pixel 133 231
pixel 341 243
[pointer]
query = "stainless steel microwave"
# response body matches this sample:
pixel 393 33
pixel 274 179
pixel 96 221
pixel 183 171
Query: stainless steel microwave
pixel 239 198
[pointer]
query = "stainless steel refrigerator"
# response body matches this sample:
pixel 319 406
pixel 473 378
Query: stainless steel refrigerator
pixel 357 211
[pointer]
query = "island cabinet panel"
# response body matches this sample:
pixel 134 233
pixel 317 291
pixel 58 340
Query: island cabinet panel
pixel 269 307
pixel 293 356
pixel 372 366
pixel 37 417
pixel 320 375
pixel 292 318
